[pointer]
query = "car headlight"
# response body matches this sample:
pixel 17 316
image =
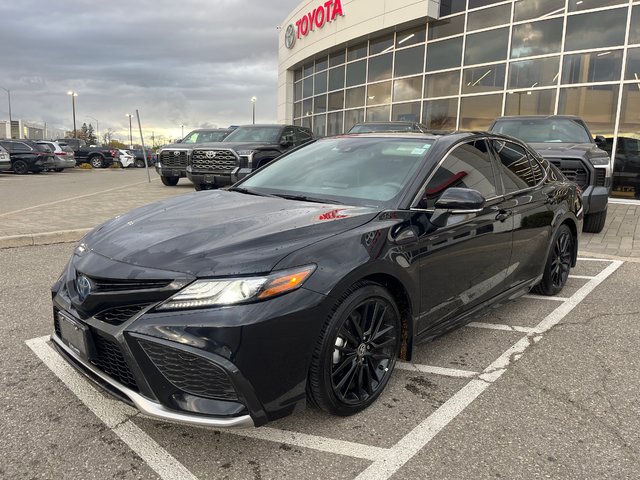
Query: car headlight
pixel 246 153
pixel 599 160
pixel 231 291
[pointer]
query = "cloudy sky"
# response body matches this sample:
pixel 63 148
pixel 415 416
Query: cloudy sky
pixel 188 62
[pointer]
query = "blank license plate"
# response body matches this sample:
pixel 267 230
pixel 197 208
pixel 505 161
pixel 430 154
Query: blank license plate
pixel 75 335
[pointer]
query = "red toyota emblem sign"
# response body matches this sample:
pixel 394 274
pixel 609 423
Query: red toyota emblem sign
pixel 317 18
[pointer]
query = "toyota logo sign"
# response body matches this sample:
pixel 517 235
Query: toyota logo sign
pixel 290 37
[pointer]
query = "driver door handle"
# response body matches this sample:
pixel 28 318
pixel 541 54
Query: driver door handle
pixel 503 215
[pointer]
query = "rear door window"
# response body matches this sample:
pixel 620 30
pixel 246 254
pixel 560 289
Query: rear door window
pixel 514 166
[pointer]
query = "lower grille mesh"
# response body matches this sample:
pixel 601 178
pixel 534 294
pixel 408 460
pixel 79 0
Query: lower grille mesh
pixel 119 315
pixel 110 360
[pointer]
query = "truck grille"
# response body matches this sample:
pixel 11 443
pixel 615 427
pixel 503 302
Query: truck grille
pixel 573 170
pixel 190 373
pixel 174 158
pixel 214 160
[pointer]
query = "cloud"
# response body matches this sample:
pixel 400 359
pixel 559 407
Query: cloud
pixel 191 63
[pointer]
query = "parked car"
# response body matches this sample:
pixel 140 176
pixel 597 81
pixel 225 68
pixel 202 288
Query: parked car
pixel 172 159
pixel 5 160
pixel 139 158
pixel 27 156
pixel 567 143
pixel 626 163
pixel 310 277
pixel 377 127
pixel 97 157
pixel 246 149
pixel 126 158
pixel 64 156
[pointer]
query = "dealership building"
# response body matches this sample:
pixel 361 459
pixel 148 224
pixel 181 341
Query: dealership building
pixel 459 64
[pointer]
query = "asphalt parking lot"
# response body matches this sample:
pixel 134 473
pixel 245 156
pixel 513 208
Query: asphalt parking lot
pixel 537 388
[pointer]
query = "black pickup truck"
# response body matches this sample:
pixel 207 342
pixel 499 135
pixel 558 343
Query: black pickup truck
pixel 566 142
pixel 246 149
pixel 98 157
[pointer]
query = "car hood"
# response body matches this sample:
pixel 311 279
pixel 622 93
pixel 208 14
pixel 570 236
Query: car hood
pixel 221 233
pixel 238 146
pixel 556 150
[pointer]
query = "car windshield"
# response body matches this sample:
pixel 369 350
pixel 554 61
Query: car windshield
pixel 255 134
pixel 381 127
pixel 45 147
pixel 206 136
pixel 543 130
pixel 361 171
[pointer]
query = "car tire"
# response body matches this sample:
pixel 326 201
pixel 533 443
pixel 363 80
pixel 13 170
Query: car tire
pixel 96 161
pixel 594 222
pixel 58 169
pixel 344 377
pixel 558 265
pixel 139 163
pixel 20 167
pixel 169 181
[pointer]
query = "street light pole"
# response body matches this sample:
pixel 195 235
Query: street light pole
pixel 97 127
pixel 130 131
pixel 253 103
pixel 10 119
pixel 73 106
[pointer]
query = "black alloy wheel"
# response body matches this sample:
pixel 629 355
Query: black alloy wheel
pixel 169 181
pixel 558 264
pixel 356 355
pixel 20 167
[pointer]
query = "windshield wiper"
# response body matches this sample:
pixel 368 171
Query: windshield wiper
pixel 305 198
pixel 250 192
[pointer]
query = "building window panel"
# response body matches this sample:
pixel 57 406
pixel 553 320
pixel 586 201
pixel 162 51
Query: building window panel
pixel 531 102
pixel 320 125
pixel 406 112
pixel 297 75
pixel 442 84
pixel 596 105
pixel 409 61
pixel 450 7
pixel 336 101
pixel 297 91
pixel 478 113
pixel 592 67
pixel 446 28
pixel 595 30
pixel 440 114
pixel 351 117
pixel 537 38
pixel 578 5
pixel 355 97
pixel 633 64
pixel 307 70
pixel 297 110
pixel 532 9
pixel 481 3
pixel 487 46
pixel 381 44
pixel 489 17
pixel 336 78
pixel 322 63
pixel 634 31
pixel 542 72
pixel 357 52
pixel 411 37
pixel 379 93
pixel 407 89
pixel 484 79
pixel 380 67
pixel 626 169
pixel 444 54
pixel 307 107
pixel 378 114
pixel 356 73
pixel 334 123
pixel 320 104
pixel 320 83
pixel 307 87
pixel 337 58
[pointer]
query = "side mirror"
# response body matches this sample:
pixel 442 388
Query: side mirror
pixel 284 142
pixel 600 140
pixel 456 201
pixel 179 141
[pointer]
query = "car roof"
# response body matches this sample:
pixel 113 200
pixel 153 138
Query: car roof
pixel 535 117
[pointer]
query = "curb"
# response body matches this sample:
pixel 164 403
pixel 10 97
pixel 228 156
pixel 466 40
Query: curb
pixel 47 238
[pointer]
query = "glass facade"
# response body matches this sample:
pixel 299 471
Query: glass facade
pixel 483 59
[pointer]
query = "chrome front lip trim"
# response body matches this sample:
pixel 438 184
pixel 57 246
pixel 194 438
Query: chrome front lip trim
pixel 154 409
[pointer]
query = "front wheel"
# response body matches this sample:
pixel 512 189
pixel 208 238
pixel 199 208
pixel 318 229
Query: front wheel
pixel 169 181
pixel 20 167
pixel 357 351
pixel 58 169
pixel 96 161
pixel 556 270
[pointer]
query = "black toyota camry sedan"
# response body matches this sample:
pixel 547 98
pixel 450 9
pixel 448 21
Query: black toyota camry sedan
pixel 308 279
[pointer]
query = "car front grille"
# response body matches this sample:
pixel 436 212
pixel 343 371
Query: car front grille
pixel 110 360
pixel 118 285
pixel 174 158
pixel 119 315
pixel 214 160
pixel 190 373
pixel 573 170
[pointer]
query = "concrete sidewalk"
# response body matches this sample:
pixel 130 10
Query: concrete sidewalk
pixel 69 219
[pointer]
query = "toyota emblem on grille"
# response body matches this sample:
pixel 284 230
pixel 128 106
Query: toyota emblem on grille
pixel 211 154
pixel 83 286
pixel 176 154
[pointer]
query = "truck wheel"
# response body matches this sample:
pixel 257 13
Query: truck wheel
pixel 96 161
pixel 170 181
pixel 594 222
pixel 139 163
pixel 20 167
pixel 58 169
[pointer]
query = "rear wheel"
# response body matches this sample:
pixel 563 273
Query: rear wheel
pixel 594 222
pixel 357 351
pixel 170 181
pixel 96 161
pixel 58 169
pixel 556 270
pixel 20 167
pixel 139 163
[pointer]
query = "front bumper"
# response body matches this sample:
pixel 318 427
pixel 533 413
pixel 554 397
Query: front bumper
pixel 220 179
pixel 595 199
pixel 170 171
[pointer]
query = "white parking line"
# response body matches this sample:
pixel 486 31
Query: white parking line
pixel 581 277
pixel 544 297
pixel 498 326
pixel 114 414
pixel 446 372
pixel 588 259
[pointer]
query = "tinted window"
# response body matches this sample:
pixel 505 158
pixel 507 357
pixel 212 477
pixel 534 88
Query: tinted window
pixel 445 54
pixel 592 67
pixel 303 136
pixel 536 168
pixel 21 147
pixel 486 47
pixel 514 166
pixel 539 130
pixel 467 166
pixel 255 134
pixel 606 29
pixel 446 28
pixel 536 38
pixel 356 73
pixel 409 61
pixel 380 67
pixel 489 17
